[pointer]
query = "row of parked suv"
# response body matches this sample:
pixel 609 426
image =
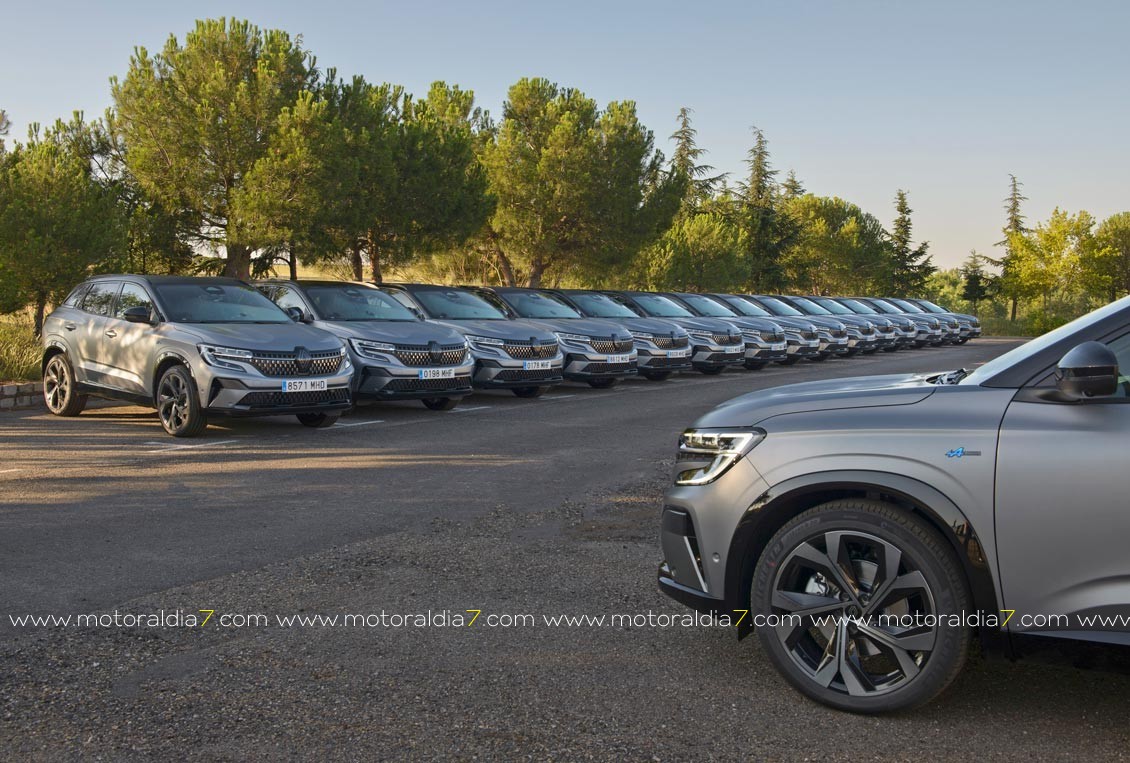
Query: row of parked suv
pixel 194 346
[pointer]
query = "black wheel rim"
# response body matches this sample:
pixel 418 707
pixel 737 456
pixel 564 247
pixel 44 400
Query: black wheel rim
pixel 172 402
pixel 56 385
pixel 856 615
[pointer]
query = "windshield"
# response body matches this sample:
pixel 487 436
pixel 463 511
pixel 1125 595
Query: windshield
pixel 356 303
pixel 456 305
pixel 707 306
pixel 533 304
pixel 661 307
pixel 931 307
pixel 910 307
pixel 777 307
pixel 600 306
pixel 885 307
pixel 217 303
pixel 831 305
pixel 811 307
pixel 745 307
pixel 1028 349
pixel 860 307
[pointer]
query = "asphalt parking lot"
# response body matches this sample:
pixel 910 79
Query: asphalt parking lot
pixel 506 506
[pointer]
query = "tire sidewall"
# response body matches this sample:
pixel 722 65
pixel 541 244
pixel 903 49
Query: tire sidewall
pixel 196 419
pixel 942 574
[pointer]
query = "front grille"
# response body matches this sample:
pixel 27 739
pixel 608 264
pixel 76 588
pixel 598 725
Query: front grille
pixel 608 368
pixel 531 351
pixel 671 343
pixel 808 334
pixel 724 357
pixel 295 399
pixel 838 333
pixel 514 374
pixel 418 385
pixel 421 355
pixel 657 362
pixel 867 330
pixel 725 339
pixel 610 346
pixel 288 363
pixel 776 336
pixel 886 329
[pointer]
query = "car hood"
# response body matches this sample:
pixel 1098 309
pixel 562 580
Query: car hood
pixel 856 320
pixel 262 336
pixel 657 326
pixel 793 322
pixel 715 325
pixel 830 394
pixel 758 324
pixel 516 330
pixel 594 327
pixel 396 332
pixel 826 321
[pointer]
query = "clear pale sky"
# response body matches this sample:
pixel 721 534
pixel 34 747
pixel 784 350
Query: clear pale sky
pixel 943 99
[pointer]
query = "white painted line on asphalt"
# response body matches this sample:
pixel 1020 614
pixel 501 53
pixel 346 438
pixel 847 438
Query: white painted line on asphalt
pixel 9 471
pixel 473 408
pixel 358 423
pixel 176 448
pixel 557 397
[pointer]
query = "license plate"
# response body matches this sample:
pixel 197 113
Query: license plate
pixel 779 346
pixel 437 373
pixel 304 385
pixel 619 359
pixel 735 348
pixel 537 365
pixel 679 353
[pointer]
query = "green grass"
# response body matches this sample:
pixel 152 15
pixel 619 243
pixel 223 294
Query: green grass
pixel 19 350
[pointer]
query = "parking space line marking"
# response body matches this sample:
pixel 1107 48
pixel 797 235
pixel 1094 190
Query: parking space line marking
pixel 357 424
pixel 173 448
pixel 468 410
pixel 8 471
pixel 558 397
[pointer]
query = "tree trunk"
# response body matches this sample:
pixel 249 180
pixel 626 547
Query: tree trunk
pixel 40 310
pixel 1013 314
pixel 238 262
pixel 536 272
pixel 374 257
pixel 293 261
pixel 355 260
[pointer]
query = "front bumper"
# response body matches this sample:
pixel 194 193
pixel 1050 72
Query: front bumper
pixel 833 345
pixel 263 396
pixel 582 366
pixel 711 355
pixel 403 383
pixel 863 343
pixel 802 348
pixel 766 352
pixel 491 373
pixel 662 361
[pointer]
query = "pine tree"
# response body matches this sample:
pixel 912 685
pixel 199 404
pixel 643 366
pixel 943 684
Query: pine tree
pixel 792 188
pixel 910 267
pixel 684 164
pixel 5 125
pixel 1010 284
pixel 976 282
pixel 760 219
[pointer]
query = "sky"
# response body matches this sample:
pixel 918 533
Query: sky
pixel 861 98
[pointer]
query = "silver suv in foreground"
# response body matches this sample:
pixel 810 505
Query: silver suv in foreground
pixel 866 528
pixel 190 347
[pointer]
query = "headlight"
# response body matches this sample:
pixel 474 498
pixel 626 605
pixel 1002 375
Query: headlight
pixel 715 450
pixel 223 356
pixel 751 333
pixel 370 349
pixel 484 341
pixel 576 338
pixel 642 335
pixel 705 336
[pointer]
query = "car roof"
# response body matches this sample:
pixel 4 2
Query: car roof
pixel 316 282
pixel 155 279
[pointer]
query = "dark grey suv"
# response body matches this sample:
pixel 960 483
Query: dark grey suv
pixel 190 347
pixel 867 528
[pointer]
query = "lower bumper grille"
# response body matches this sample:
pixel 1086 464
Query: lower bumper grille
pixel 609 368
pixel 426 385
pixel 295 399
pixel 513 374
pixel 668 362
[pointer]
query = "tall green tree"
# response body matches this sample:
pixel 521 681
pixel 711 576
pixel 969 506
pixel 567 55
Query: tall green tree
pixel 5 126
pixel 579 190
pixel 976 282
pixel 56 222
pixel 197 117
pixel 699 252
pixel 910 265
pixel 701 184
pixel 840 249
pixel 1048 260
pixel 1106 268
pixel 792 188
pixel 766 231
pixel 1010 284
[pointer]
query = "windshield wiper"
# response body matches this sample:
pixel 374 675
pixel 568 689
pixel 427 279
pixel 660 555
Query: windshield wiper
pixel 953 377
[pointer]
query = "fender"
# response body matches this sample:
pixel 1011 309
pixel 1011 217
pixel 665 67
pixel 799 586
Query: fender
pixel 785 500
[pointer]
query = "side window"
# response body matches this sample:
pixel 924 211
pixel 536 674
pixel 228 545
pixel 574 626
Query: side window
pixel 74 299
pixel 100 298
pixel 287 297
pixel 132 296
pixel 1121 349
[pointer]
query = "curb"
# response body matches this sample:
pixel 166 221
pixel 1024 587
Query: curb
pixel 20 396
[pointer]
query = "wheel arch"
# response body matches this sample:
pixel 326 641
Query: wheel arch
pixel 773 509
pixel 165 361
pixel 54 347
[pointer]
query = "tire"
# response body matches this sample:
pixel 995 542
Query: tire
pixel 963 340
pixel 440 403
pixel 530 392
pixel 869 675
pixel 603 383
pixel 60 389
pixel 656 376
pixel 178 403
pixel 318 420
pixel 711 370
pixel 756 365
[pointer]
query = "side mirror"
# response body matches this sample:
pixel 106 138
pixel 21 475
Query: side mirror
pixel 296 314
pixel 138 314
pixel 1088 370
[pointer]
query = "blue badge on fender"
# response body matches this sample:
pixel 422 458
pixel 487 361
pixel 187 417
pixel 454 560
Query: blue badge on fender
pixel 960 452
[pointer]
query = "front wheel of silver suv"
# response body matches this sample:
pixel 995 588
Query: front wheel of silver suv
pixel 178 404
pixel 856 594
pixel 60 391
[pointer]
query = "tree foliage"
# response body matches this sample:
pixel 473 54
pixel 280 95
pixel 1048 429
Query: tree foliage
pixel 840 249
pixel 909 265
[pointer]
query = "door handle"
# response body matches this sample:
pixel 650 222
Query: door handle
pixel 111 333
pixel 70 326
